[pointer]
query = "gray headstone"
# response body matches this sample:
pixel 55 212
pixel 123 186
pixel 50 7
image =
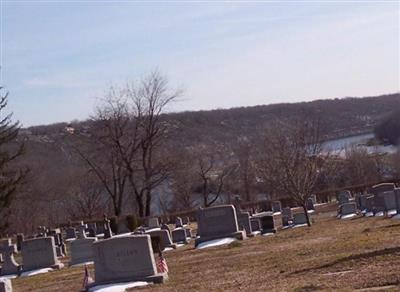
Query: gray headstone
pixel 92 229
pixel 313 198
pixel 9 265
pixel 244 222
pixel 381 188
pixel 218 222
pixel 287 211
pixel 255 224
pixel 82 231
pixel 38 253
pixel 178 222
pixel 370 202
pixel 125 259
pixel 397 196
pixel 179 235
pixel 348 208
pixel 5 285
pixel 165 227
pixel 153 223
pixel 389 199
pixel 268 222
pixel 165 236
pixel 81 250
pixel 343 197
pixel 310 204
pixel 70 233
pixel 185 220
pixel 299 218
pixel 188 232
pixel 276 206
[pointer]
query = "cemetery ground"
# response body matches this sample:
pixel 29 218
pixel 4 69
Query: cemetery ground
pixel 341 255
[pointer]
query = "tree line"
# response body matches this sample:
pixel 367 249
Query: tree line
pixel 134 154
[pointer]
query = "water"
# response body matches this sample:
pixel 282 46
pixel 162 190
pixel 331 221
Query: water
pixel 339 146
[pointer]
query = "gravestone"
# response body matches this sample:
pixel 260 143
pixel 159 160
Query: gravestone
pixel 20 239
pixel 370 203
pixel 38 253
pixel 299 219
pixel 178 222
pixel 153 223
pixel 313 198
pixel 276 206
pixel 383 187
pixel 244 222
pixel 287 211
pixel 347 209
pixel 179 235
pixel 188 232
pixel 5 285
pixel 379 201
pixel 125 259
pixel 343 197
pixel 70 233
pixel 397 196
pixel 310 205
pixel 99 228
pixel 185 220
pixel 361 201
pixel 165 227
pixel 255 224
pixel 81 249
pixel 92 229
pixel 287 216
pixel 389 200
pixel 218 222
pixel 270 222
pixel 107 228
pixel 165 236
pixel 9 265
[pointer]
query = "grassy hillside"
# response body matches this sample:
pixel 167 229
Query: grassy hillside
pixel 332 255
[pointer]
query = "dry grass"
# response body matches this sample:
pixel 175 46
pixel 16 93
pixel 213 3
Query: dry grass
pixel 333 254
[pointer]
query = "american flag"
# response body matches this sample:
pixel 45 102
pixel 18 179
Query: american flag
pixel 162 266
pixel 87 279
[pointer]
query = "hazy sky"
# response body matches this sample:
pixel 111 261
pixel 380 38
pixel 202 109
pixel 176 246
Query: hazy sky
pixel 59 56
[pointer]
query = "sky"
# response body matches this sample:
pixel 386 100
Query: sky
pixel 58 58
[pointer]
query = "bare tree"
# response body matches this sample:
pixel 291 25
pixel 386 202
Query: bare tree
pixel 182 181
pixel 100 148
pixel 293 160
pixel 151 168
pixel 86 200
pixel 245 174
pixel 130 132
pixel 212 170
pixel 361 167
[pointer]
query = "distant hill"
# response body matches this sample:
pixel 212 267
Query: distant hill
pixel 338 117
pixel 55 173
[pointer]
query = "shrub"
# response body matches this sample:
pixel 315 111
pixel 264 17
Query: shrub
pixel 132 222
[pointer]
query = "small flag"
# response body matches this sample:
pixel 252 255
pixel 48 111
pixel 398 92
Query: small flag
pixel 87 280
pixel 162 266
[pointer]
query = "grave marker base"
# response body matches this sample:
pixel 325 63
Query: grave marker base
pixel 241 235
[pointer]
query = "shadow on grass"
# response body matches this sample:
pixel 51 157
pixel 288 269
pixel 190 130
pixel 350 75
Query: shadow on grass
pixel 388 226
pixel 366 255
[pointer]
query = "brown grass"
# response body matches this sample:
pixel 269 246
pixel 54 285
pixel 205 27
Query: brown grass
pixel 332 255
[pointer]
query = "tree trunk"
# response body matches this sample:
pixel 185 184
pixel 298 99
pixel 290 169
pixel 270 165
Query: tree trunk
pixel 307 215
pixel 140 206
pixel 148 202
